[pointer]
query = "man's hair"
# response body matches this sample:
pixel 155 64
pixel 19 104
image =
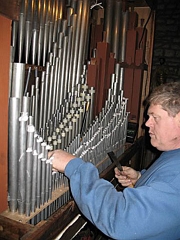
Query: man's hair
pixel 168 96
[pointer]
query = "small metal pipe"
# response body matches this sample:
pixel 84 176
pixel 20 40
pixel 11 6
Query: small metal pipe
pixel 36 112
pixel 43 179
pixel 34 180
pixel 46 93
pixel 50 95
pixel 41 107
pixel 54 91
pixel 28 181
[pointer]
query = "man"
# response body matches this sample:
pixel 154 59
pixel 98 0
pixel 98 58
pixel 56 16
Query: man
pixel 150 210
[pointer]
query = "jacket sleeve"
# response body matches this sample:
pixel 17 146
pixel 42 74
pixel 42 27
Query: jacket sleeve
pixel 131 214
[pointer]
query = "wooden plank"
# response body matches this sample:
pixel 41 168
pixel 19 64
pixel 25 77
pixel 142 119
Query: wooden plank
pixel 12 230
pixel 10 8
pixel 5 38
pixel 51 227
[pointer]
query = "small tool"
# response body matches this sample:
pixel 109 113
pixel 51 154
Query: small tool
pixel 113 158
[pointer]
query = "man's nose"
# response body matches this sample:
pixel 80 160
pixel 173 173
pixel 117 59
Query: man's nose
pixel 147 123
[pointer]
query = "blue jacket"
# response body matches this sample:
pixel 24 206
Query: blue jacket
pixel 150 210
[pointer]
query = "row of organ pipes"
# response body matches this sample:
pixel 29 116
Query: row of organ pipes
pixel 51 104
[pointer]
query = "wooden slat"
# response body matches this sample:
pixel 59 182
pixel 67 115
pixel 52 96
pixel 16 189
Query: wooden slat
pixel 5 36
pixel 10 8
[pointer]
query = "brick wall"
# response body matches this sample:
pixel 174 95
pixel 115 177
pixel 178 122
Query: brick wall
pixel 167 42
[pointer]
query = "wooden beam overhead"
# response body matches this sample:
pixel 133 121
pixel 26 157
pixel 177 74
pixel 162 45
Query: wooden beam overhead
pixel 10 8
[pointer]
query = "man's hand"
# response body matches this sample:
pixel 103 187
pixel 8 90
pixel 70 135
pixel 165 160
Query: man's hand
pixel 128 177
pixel 60 159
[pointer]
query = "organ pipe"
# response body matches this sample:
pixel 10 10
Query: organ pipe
pixel 54 108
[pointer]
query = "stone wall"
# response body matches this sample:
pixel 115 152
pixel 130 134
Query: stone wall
pixel 166 53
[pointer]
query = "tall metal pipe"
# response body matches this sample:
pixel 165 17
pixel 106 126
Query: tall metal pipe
pixel 36 112
pixel 34 180
pixel 22 162
pixel 28 29
pixel 77 39
pixel 123 36
pixel 50 95
pixel 18 76
pixel 35 31
pixel 14 39
pixel 116 32
pixel 54 92
pixel 46 92
pixel 64 57
pixel 41 107
pixel 21 32
pixel 42 9
pixel 74 27
pixel 69 47
pixel 13 153
pixel 28 180
pixel 108 24
pixel 83 38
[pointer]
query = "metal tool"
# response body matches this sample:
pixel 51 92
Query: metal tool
pixel 114 159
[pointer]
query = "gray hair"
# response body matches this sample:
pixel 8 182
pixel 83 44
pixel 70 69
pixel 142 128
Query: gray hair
pixel 168 96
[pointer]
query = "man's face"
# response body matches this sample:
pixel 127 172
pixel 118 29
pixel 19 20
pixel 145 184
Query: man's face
pixel 164 130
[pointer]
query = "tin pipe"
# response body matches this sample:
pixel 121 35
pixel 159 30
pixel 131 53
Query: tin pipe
pixel 69 47
pixel 14 39
pixel 116 32
pixel 32 109
pixel 27 81
pixel 18 76
pixel 50 95
pixel 47 180
pixel 34 180
pixel 39 151
pixel 108 20
pixel 83 38
pixel 22 162
pixel 58 100
pixel 21 32
pixel 43 179
pixel 25 104
pixel 64 58
pixel 123 36
pixel 54 92
pixel 74 27
pixel 36 112
pixel 46 92
pixel 42 9
pixel 77 40
pixel 13 153
pixel 28 181
pixel 41 107
pixel 35 31
pixel 28 29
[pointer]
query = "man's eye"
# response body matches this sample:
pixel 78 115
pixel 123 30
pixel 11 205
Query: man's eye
pixel 155 118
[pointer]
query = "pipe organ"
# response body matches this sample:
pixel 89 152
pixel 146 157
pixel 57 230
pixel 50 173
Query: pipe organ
pixel 66 91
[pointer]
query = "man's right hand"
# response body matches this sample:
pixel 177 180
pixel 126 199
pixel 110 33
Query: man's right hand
pixel 128 177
